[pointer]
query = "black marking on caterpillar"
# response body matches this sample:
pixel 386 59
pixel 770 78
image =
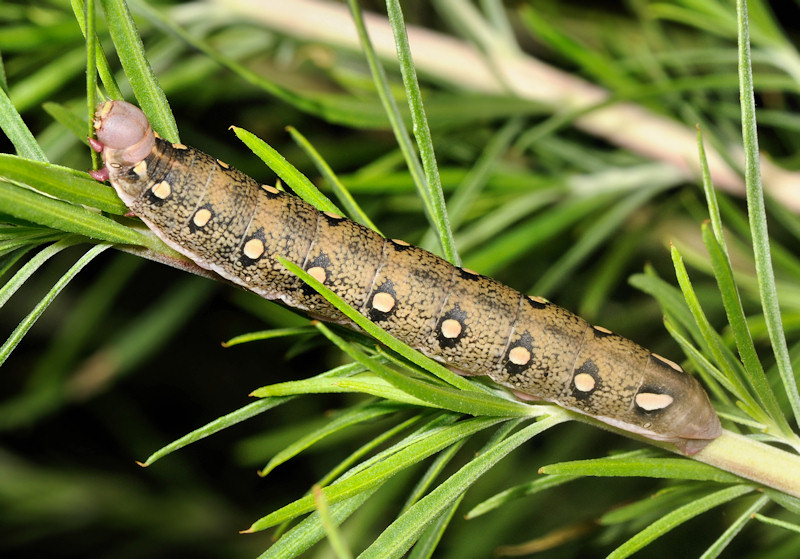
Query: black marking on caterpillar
pixel 586 380
pixel 536 303
pixel 601 332
pixel 319 268
pixel 558 357
pixel 383 302
pixel 519 355
pixel 468 274
pixel 202 216
pixel 332 218
pixel 400 245
pixel 271 191
pixel 250 251
pixel 452 327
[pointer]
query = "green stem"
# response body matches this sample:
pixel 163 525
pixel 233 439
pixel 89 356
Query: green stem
pixel 755 461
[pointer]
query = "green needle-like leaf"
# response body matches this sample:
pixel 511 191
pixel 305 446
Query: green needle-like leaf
pixel 469 401
pixel 678 517
pixel 12 124
pixel 378 473
pixel 344 196
pixel 758 217
pixel 144 83
pixel 668 468
pixel 373 330
pixel 402 533
pixel 432 200
pixel 736 318
pixel 28 322
pixel 286 171
pixel 36 208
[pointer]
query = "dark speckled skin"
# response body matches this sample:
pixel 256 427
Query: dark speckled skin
pixel 226 222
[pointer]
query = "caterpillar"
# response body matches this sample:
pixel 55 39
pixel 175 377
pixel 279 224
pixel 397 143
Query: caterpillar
pixel 228 223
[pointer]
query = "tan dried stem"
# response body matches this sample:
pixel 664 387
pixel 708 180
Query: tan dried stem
pixel 459 64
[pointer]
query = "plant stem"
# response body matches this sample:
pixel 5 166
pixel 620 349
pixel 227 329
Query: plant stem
pixel 755 461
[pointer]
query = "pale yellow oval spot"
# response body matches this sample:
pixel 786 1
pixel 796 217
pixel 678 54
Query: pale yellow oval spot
pixel 270 189
pixel 383 302
pixel 179 146
pixel 253 249
pixel 333 215
pixel 451 328
pixel 223 164
pixel 668 362
pixel 603 330
pixel 650 401
pixel 140 168
pixel 162 190
pixel 201 217
pixel 318 273
pixel 470 271
pixel 519 355
pixel 401 242
pixel 537 299
pixel 584 382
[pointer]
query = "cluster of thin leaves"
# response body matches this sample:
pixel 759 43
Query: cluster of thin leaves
pixel 434 412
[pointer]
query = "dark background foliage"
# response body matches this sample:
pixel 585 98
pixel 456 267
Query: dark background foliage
pixel 108 375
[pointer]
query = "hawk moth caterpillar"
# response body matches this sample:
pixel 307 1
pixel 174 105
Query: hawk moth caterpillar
pixel 226 222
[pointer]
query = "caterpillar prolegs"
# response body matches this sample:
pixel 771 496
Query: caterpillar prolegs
pixel 226 222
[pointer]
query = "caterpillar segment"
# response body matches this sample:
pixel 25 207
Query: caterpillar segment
pixel 228 223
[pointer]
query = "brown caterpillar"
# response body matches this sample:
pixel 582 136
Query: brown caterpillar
pixel 226 222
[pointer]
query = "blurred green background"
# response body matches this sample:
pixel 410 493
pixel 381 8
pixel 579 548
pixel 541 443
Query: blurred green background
pixel 129 357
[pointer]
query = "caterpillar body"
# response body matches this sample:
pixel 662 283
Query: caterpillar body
pixel 226 222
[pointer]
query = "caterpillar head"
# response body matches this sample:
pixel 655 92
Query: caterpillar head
pixel 125 139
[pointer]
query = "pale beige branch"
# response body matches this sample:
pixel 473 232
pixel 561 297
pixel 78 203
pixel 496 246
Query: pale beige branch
pixel 459 64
